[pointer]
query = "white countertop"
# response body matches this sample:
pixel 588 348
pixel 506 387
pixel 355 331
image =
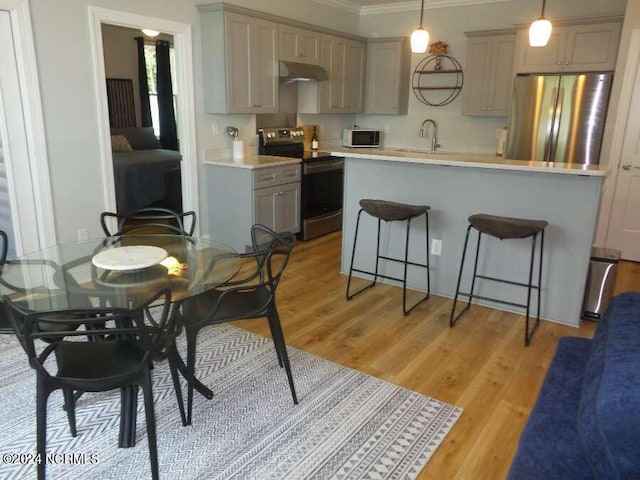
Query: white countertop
pixel 254 161
pixel 474 160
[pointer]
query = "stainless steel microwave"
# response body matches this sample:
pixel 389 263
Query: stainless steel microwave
pixel 360 138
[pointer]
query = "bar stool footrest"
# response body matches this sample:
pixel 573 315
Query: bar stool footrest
pixel 509 282
pixel 495 300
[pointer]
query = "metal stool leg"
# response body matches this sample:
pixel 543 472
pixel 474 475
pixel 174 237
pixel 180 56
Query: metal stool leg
pixel 406 266
pixel 540 274
pixel 475 271
pixel 353 255
pixel 528 334
pixel 452 318
pixel 428 263
pixel 526 323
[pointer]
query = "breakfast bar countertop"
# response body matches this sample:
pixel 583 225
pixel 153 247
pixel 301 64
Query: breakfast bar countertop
pixel 254 161
pixel 467 159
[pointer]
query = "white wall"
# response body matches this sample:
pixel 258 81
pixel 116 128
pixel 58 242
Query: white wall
pixel 64 57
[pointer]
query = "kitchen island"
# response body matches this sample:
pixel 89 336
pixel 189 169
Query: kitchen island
pixel 459 185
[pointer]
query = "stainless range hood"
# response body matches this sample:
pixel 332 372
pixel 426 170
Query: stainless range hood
pixel 293 72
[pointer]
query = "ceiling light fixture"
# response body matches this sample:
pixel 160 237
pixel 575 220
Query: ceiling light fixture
pixel 420 37
pixel 540 30
pixel 150 33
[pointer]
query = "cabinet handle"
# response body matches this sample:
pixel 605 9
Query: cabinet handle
pixel 482 109
pixel 559 63
pixel 489 108
pixel 566 63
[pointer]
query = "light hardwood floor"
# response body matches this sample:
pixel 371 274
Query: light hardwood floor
pixel 480 365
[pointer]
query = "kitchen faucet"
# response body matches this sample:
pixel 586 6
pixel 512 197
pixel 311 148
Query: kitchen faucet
pixel 434 138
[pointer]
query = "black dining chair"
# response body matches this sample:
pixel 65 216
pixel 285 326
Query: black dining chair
pixel 130 341
pixel 151 219
pixel 5 324
pixel 13 278
pixel 252 296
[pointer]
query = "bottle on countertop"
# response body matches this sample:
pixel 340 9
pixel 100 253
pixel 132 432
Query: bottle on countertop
pixel 314 140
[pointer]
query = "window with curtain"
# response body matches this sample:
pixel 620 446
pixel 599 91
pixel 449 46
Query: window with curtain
pixel 150 59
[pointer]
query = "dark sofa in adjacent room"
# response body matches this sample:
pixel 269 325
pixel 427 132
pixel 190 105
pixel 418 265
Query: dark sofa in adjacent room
pixel 586 421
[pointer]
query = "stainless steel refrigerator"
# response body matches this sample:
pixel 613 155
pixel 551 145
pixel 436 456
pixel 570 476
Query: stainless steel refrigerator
pixel 558 118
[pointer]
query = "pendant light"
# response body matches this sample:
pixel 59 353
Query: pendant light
pixel 150 33
pixel 540 30
pixel 420 37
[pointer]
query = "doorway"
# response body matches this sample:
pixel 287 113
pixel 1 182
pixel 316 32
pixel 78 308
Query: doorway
pixel 624 221
pixel 184 105
pixel 26 213
pixel 141 94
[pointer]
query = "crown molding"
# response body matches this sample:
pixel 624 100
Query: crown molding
pixel 345 5
pixel 411 6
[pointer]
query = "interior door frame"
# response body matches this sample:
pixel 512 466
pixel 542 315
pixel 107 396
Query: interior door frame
pixel 185 103
pixel 605 233
pixel 43 231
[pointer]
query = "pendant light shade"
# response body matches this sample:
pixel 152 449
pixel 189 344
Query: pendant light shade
pixel 150 33
pixel 540 30
pixel 419 40
pixel 420 36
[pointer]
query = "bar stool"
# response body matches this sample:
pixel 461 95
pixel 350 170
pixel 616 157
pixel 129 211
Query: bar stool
pixel 503 228
pixel 391 212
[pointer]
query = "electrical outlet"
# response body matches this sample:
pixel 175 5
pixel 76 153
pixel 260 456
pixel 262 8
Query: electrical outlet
pixel 215 129
pixel 436 247
pixel 83 234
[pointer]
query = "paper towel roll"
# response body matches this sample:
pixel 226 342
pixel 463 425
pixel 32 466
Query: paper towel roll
pixel 238 150
pixel 502 141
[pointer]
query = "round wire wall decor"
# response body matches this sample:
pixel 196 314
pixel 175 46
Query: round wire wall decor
pixel 437 80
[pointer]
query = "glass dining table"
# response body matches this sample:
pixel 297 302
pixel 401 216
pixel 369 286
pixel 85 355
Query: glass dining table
pixel 119 272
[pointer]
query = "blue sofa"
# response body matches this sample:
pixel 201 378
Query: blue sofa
pixel 586 421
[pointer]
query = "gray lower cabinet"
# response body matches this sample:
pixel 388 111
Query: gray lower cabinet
pixel 239 197
pixel 278 207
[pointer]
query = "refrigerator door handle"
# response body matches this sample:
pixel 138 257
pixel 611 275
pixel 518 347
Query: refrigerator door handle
pixel 551 122
pixel 557 118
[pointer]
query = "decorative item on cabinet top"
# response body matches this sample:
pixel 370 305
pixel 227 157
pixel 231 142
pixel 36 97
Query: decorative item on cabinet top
pixel 438 76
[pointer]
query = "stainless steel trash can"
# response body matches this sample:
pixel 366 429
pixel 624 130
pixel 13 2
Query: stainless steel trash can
pixel 601 281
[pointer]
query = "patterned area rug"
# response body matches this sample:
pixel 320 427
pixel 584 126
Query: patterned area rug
pixel 348 425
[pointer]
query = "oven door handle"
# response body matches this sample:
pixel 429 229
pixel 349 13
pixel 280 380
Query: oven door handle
pixel 318 167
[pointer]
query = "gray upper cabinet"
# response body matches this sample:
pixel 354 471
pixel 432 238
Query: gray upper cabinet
pixel 489 73
pixel 299 45
pixel 354 76
pixel 588 45
pixel 345 61
pixel 388 70
pixel 240 63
